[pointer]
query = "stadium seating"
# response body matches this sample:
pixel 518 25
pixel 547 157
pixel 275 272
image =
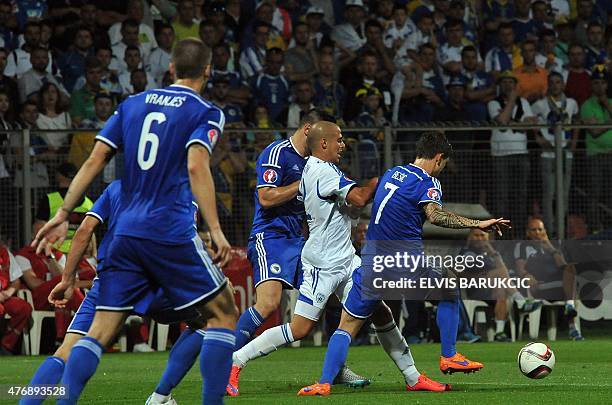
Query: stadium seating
pixel 33 335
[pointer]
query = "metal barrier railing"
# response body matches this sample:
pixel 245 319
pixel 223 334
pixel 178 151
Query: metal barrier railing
pixel 371 150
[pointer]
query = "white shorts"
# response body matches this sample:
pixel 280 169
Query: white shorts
pixel 319 284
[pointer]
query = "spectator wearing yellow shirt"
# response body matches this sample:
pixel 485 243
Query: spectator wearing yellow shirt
pixel 184 25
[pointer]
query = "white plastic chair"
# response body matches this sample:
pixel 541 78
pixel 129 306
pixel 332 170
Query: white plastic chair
pixel 33 335
pixel 476 312
pixel 162 335
pixel 551 309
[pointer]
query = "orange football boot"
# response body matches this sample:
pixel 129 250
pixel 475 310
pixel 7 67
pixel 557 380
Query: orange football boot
pixel 427 384
pixel 232 386
pixel 317 389
pixel 458 363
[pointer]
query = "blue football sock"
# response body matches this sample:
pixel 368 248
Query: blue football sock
pixel 248 323
pixel 181 359
pixel 82 364
pixel 216 363
pixel 48 373
pixel 448 322
pixel 335 356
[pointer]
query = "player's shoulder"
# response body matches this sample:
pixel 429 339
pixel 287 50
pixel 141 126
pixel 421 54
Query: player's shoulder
pixel 409 172
pixel 273 154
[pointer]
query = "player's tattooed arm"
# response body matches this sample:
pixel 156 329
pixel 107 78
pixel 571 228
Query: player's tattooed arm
pixel 438 216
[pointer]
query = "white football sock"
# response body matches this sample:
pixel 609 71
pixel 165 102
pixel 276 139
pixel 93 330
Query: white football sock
pixel 500 326
pixel 159 398
pixel 570 302
pixel 396 347
pixel 519 299
pixel 263 344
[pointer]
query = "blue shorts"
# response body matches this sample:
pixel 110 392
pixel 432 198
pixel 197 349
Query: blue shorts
pixel 136 268
pixel 355 304
pixel 276 257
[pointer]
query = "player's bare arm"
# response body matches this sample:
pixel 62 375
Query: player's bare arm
pixel 359 196
pixel 203 188
pixel 56 229
pixel 446 219
pixel 62 292
pixel 274 196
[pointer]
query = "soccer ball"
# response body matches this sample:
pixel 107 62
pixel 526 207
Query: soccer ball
pixel 536 360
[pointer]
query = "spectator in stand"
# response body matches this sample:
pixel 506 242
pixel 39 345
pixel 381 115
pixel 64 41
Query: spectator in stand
pixel 565 32
pixel 211 35
pixel 598 110
pixel 438 11
pixel 383 11
pixel 301 60
pixel 133 61
pixel 505 56
pixel 460 183
pixel 82 142
pixel 41 274
pixel 509 149
pixel 82 100
pixel 31 81
pixel 542 15
pixel 263 13
pixel 52 116
pixel 374 44
pixel 72 63
pixel 219 96
pixel 449 53
pixel 184 23
pixel 89 19
pixel 238 92
pixel 317 28
pixel 281 20
pixel 546 58
pixel 11 305
pixel 532 79
pixel 140 81
pixel 351 34
pixel 252 58
pixel 555 108
pixel 523 26
pixel 7 84
pixel 409 51
pixel 159 61
pixel 577 79
pixel 271 88
pixel 142 36
pixel 595 46
pixel 330 95
pixel 586 13
pixel 129 38
pixel 401 27
pixel 479 87
pixel 8 26
pixel 7 122
pixel 368 67
pixel 457 11
pixel 19 60
pixel 303 102
pixel 545 265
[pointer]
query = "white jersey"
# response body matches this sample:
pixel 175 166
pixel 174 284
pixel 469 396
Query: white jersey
pixel 324 189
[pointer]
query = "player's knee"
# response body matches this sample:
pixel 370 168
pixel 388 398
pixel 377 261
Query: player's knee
pixel 382 315
pixel 266 305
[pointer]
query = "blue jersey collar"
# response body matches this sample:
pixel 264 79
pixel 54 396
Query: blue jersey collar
pixel 180 86
pixel 419 168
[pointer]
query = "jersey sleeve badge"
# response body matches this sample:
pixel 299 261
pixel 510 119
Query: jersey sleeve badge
pixel 433 194
pixel 270 176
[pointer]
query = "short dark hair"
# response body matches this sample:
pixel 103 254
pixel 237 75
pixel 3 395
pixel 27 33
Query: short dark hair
pixel 427 45
pixel 190 56
pixel 453 22
pixel 274 51
pixel 91 62
pixel 260 23
pixel 594 24
pixel 373 23
pixel 163 26
pixel 311 116
pixel 432 143
pixel 103 94
pixel 131 48
pixel 299 24
pixel 469 48
pixel 104 47
pixel 505 25
pixel 529 42
pixel 130 22
pixel 5 51
pixel 548 33
pixel 555 74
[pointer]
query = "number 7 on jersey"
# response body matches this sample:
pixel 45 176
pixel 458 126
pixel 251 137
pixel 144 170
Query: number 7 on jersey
pixel 392 188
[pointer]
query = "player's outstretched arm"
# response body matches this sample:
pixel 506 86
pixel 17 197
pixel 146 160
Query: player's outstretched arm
pixel 56 229
pixel 203 189
pixel 274 196
pixel 446 219
pixel 61 294
pixel 359 196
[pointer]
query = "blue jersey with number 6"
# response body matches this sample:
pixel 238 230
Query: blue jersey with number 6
pixel 397 211
pixel 155 128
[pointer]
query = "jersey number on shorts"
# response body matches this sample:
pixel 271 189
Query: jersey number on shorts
pixel 391 187
pixel 149 138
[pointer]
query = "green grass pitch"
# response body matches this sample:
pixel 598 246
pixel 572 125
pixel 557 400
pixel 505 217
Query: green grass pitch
pixel 582 375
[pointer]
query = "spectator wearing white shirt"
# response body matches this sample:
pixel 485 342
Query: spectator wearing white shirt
pixel 133 61
pixel 509 149
pixel 253 58
pixel 449 53
pixel 129 31
pixel 554 109
pixel 351 35
pixel 400 28
pixel 159 61
pixel 546 58
pixel 304 96
pixel 145 34
pixel 423 35
pixel 53 116
pixel 19 60
pixel 31 81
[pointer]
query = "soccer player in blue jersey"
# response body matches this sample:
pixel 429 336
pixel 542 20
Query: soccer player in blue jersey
pixel 167 136
pixel 406 196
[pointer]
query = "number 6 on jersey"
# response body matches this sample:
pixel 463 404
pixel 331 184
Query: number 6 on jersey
pixel 148 137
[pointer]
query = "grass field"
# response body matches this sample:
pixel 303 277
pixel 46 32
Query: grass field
pixel 583 375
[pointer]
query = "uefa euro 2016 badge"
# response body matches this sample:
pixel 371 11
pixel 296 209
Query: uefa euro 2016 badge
pixel 433 194
pixel 270 176
pixel 275 268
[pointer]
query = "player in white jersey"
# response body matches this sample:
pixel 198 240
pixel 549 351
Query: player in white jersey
pixel 328 257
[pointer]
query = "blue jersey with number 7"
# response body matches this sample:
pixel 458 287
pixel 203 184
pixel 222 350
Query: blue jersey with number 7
pixel 155 129
pixel 397 211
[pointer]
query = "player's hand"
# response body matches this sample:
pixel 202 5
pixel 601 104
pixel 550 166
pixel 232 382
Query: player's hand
pixel 52 232
pixel 61 293
pixel 495 225
pixel 223 254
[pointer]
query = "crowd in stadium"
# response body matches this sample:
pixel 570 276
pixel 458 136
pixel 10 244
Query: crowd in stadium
pixel 68 64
